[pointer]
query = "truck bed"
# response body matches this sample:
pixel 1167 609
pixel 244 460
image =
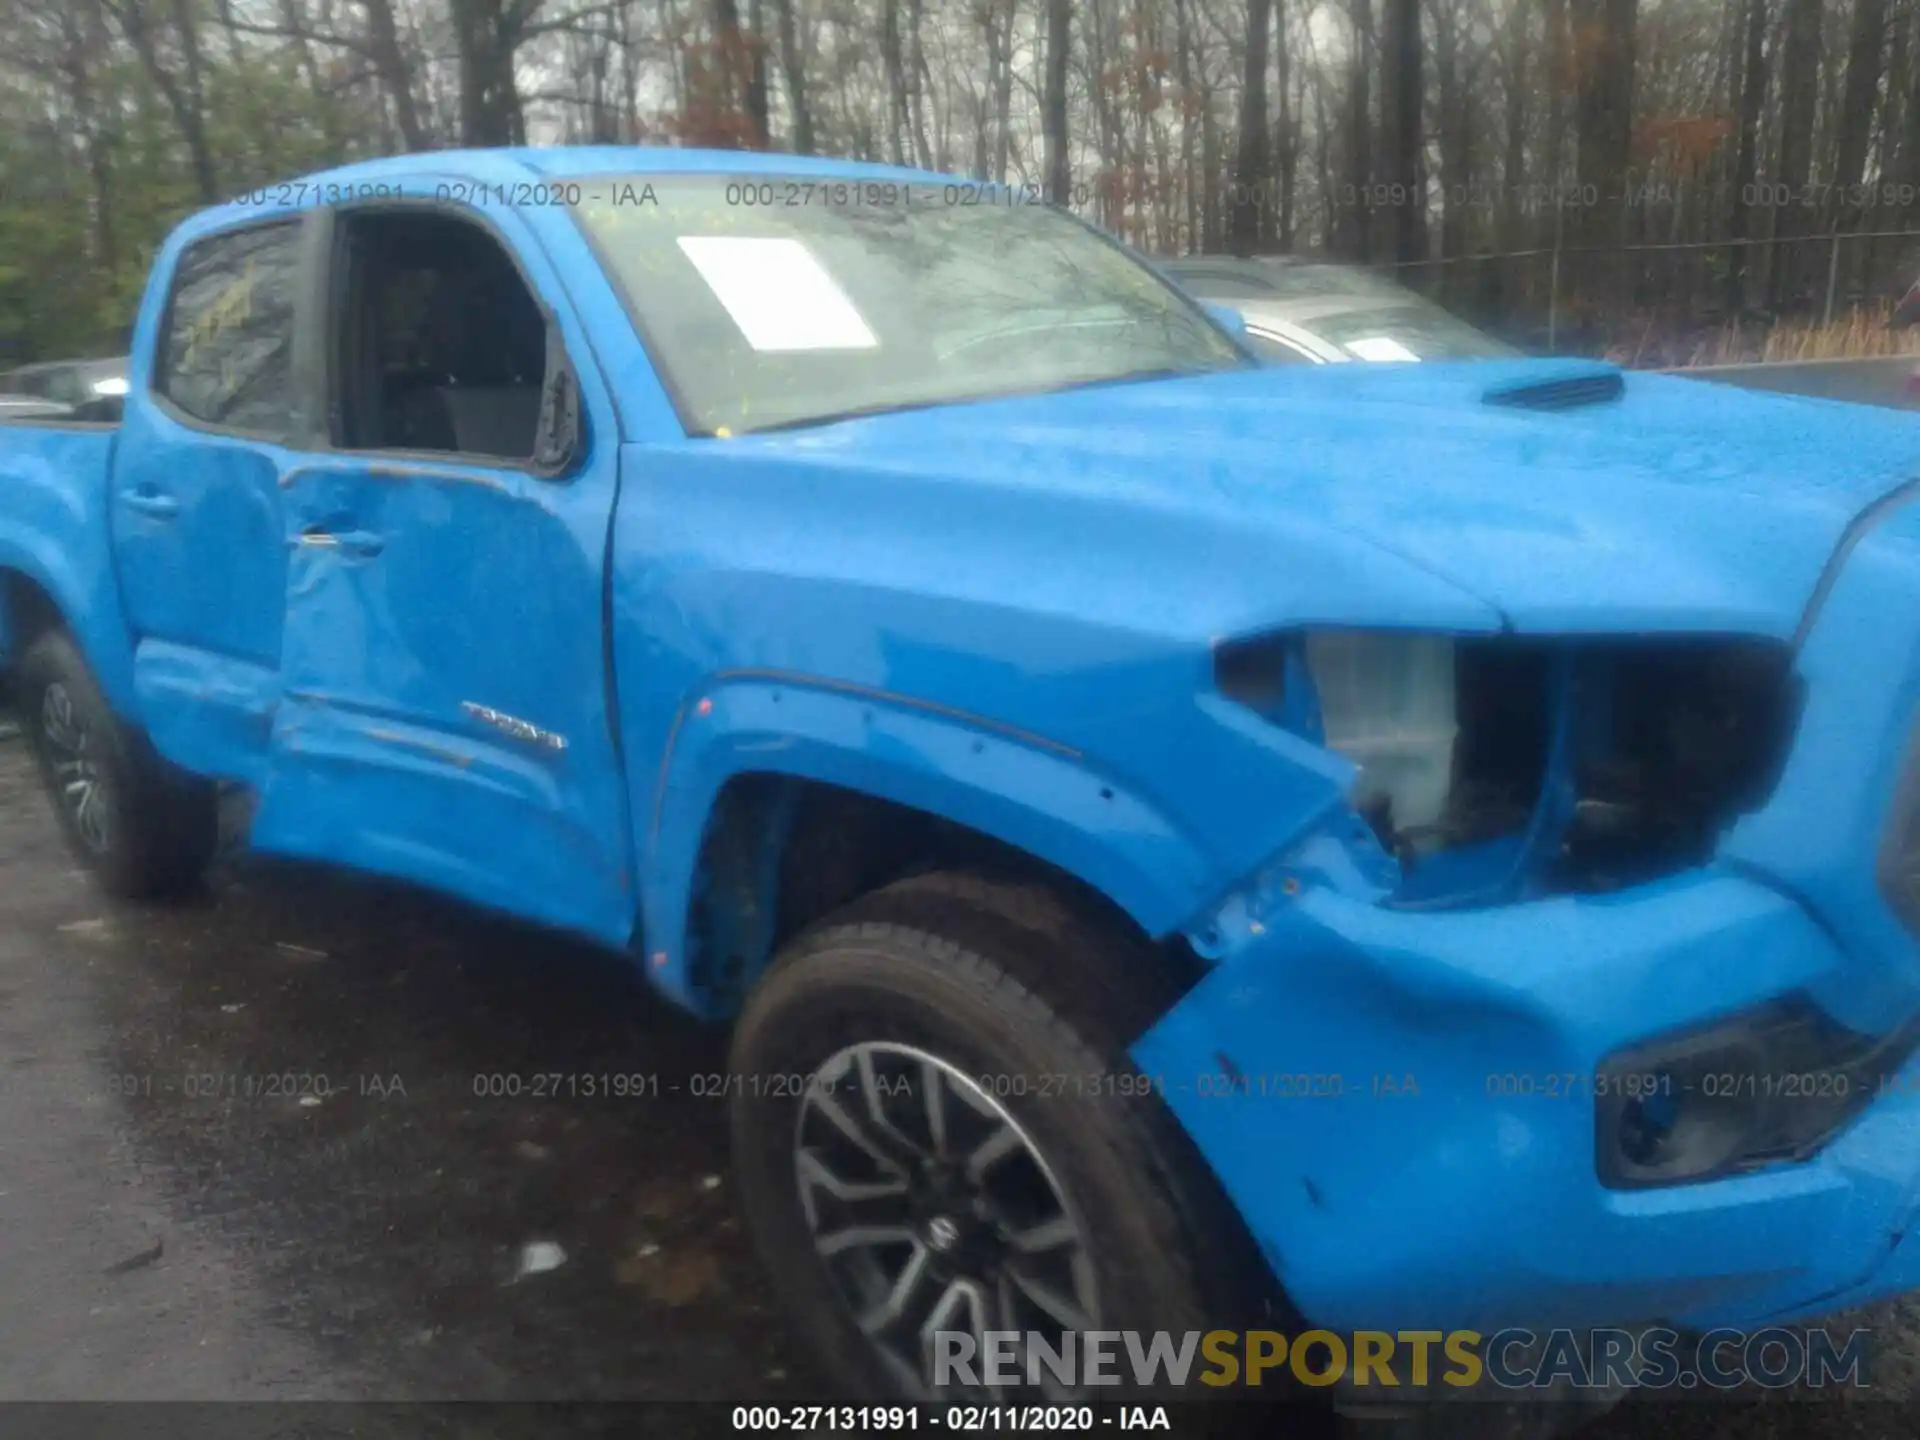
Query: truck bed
pixel 54 524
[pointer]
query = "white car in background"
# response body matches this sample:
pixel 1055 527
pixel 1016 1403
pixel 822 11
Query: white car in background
pixel 87 390
pixel 1326 314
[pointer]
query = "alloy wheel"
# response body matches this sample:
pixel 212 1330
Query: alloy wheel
pixel 934 1210
pixel 80 783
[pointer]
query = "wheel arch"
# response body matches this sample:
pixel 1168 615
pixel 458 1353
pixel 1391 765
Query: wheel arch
pixel 776 803
pixel 38 592
pixel 28 610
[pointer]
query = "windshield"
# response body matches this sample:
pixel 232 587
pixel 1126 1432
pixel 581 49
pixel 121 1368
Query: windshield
pixel 779 302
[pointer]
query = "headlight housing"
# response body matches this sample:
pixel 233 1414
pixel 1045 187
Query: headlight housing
pixel 1492 766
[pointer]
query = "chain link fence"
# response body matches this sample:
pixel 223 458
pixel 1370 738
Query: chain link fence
pixel 1684 302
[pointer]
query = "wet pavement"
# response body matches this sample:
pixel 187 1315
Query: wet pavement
pixel 311 1137
pixel 257 1146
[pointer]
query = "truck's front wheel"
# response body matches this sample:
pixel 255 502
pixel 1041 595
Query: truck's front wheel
pixel 937 1131
pixel 145 828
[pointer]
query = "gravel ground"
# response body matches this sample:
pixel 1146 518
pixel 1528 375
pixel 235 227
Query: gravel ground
pixel 246 1151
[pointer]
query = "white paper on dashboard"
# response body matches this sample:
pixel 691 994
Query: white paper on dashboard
pixel 778 293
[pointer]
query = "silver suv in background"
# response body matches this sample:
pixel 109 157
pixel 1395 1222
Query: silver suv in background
pixel 83 389
pixel 1324 313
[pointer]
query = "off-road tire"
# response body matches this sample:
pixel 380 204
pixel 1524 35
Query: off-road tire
pixel 160 823
pixel 997 978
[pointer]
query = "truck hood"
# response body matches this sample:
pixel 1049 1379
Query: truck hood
pixel 1567 496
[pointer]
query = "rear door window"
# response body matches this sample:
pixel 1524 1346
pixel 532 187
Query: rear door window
pixel 227 358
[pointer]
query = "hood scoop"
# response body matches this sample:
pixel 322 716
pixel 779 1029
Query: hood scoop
pixel 1569 387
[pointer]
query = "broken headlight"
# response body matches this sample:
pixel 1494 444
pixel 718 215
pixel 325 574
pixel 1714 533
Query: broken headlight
pixel 1384 700
pixel 1674 738
pixel 1539 763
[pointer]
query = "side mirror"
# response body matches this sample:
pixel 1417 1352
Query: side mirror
pixel 1227 318
pixel 558 436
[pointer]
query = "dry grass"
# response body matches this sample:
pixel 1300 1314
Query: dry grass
pixel 1861 333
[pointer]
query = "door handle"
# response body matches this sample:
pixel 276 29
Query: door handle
pixel 362 543
pixel 151 502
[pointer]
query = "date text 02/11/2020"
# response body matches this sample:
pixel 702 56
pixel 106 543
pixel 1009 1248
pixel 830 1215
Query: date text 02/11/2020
pixel 1830 1084
pixel 803 1419
pixel 306 1086
pixel 717 1085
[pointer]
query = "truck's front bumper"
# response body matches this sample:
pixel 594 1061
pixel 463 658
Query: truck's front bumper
pixel 1401 1106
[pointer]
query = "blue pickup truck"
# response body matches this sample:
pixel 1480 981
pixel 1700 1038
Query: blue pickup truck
pixel 1180 842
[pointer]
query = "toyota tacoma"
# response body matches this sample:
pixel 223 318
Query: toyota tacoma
pixel 1179 842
